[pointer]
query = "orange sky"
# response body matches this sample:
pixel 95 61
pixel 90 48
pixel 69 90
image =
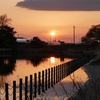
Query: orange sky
pixel 29 23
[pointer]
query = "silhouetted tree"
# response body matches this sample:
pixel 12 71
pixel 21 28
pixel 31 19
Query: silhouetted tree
pixel 92 36
pixel 7 38
pixel 4 20
pixel 36 42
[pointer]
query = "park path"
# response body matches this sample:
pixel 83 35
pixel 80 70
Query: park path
pixel 91 89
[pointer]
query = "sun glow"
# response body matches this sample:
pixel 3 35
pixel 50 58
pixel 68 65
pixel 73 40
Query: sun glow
pixel 52 33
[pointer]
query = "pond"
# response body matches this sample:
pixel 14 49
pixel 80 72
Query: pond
pixel 12 69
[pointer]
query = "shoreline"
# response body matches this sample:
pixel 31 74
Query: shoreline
pixel 90 89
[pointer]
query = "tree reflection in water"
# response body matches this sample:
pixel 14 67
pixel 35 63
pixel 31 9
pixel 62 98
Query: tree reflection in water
pixel 36 60
pixel 7 66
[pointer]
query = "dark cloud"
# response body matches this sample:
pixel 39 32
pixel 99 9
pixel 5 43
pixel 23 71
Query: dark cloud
pixel 61 5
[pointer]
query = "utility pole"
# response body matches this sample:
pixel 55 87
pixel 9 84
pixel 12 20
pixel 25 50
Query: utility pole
pixel 74 34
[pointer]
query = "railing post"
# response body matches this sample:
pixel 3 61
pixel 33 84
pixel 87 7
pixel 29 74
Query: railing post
pixel 46 79
pixel 14 90
pixel 54 75
pixel 39 82
pixel 6 91
pixel 35 84
pixel 31 88
pixel 68 68
pixel 58 73
pixel 60 70
pixel 49 78
pixel 63 71
pixel 26 86
pixel 20 89
pixel 42 81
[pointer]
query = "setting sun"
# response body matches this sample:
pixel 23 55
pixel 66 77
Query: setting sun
pixel 52 33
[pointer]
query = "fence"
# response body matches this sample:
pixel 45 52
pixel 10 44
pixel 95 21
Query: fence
pixel 41 81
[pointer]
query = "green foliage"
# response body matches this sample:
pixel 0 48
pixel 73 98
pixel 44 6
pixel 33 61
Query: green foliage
pixel 7 38
pixel 92 36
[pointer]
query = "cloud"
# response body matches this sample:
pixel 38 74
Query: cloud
pixel 61 5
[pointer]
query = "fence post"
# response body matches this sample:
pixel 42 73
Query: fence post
pixel 49 78
pixel 63 71
pixel 35 84
pixel 58 73
pixel 20 89
pixel 31 88
pixel 42 81
pixel 70 67
pixel 60 70
pixel 39 82
pixel 26 85
pixel 54 75
pixel 14 90
pixel 67 69
pixel 46 79
pixel 6 91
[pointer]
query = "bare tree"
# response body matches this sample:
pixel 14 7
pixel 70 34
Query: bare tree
pixel 4 20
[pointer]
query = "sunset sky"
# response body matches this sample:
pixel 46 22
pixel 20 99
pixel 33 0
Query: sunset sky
pixel 39 17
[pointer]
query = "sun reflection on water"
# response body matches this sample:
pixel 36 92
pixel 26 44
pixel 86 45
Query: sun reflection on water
pixel 52 59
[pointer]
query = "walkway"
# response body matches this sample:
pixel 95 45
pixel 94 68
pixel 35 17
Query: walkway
pixel 91 89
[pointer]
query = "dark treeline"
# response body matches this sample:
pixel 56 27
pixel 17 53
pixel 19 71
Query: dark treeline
pixel 55 49
pixel 36 46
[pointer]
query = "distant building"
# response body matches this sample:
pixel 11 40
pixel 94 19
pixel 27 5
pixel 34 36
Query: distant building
pixel 21 40
pixel 53 43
